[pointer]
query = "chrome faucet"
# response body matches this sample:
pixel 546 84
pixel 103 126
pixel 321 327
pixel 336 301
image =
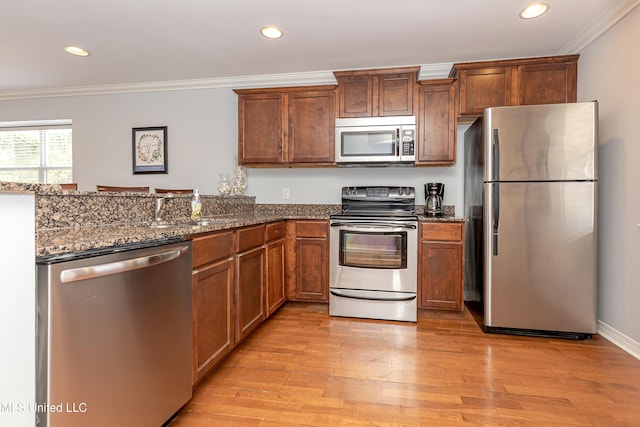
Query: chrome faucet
pixel 160 201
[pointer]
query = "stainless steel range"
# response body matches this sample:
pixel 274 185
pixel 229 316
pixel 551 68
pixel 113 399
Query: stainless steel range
pixel 373 255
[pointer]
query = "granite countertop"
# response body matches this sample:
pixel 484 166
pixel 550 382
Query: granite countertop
pixel 56 242
pixel 71 223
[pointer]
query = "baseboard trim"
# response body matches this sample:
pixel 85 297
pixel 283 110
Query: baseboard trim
pixel 619 339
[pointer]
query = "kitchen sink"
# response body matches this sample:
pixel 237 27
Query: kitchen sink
pixel 202 222
pixel 165 224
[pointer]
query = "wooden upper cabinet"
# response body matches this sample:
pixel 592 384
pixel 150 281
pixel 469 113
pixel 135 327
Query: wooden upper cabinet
pixel 286 126
pixel 376 92
pixel 436 121
pixel 547 83
pixel 311 126
pixel 260 128
pixel 545 80
pixel 484 87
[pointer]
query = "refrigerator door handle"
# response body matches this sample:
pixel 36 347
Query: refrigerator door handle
pixel 495 147
pixel 495 208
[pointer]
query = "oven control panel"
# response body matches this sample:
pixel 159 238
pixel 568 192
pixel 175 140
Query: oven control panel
pixel 354 193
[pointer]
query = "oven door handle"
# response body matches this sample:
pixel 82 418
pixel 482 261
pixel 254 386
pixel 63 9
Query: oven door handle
pixel 344 293
pixel 385 225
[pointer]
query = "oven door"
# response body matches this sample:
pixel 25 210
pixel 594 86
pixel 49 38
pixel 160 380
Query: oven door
pixel 374 255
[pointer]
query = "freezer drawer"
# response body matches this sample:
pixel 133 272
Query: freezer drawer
pixel 540 256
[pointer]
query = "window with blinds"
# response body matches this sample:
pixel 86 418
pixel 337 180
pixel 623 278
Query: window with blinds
pixel 36 153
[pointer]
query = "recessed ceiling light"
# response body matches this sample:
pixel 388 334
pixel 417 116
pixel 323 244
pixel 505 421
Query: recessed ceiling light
pixel 271 32
pixel 534 10
pixel 74 50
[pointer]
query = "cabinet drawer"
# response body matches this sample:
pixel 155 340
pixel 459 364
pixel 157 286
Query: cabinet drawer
pixel 250 237
pixel 311 228
pixel 274 231
pixel 210 248
pixel 441 231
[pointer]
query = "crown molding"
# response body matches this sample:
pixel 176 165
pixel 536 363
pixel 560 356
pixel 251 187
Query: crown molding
pixel 427 71
pixel 610 18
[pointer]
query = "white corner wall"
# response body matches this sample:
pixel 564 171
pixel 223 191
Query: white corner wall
pixel 608 71
pixel 17 309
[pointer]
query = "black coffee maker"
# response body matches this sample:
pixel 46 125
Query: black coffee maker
pixel 433 194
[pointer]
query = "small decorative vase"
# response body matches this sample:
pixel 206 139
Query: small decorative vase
pixel 240 182
pixel 224 186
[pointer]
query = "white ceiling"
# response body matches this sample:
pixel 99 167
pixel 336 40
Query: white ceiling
pixel 138 44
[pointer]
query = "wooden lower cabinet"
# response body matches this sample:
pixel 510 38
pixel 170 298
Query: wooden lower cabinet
pixel 441 266
pixel 250 288
pixel 274 252
pixel 250 283
pixel 307 261
pixel 212 313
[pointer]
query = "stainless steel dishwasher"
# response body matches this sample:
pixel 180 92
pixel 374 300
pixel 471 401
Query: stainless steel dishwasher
pixel 114 337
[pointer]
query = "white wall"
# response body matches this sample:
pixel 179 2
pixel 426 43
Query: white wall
pixel 608 72
pixel 17 309
pixel 202 141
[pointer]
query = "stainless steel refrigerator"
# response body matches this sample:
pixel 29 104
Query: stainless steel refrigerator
pixel 531 185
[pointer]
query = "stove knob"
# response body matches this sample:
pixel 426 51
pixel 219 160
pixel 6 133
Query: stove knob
pixel 400 191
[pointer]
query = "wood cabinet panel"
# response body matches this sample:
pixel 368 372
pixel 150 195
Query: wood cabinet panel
pixel 307 261
pixel 439 231
pixel 436 120
pixel 286 126
pixel 376 92
pixel 311 126
pixel 396 94
pixel 312 272
pixel 547 83
pixel 212 247
pixel 275 291
pixel 274 230
pixel 260 128
pixel 355 96
pixel 212 315
pixel 483 88
pixel 250 288
pixel 250 237
pixel 527 81
pixel 441 266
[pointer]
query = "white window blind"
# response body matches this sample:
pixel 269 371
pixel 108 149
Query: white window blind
pixel 36 153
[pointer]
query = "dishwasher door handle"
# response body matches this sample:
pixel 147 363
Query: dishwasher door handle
pixel 100 270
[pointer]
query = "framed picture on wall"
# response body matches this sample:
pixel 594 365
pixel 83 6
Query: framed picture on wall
pixel 150 150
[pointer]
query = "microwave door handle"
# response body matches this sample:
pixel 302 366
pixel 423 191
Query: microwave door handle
pixel 397 142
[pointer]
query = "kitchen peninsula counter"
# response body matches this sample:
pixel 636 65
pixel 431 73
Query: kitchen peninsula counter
pixel 74 240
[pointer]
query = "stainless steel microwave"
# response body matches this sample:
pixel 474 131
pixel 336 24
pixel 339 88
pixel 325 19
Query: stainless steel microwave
pixel 376 141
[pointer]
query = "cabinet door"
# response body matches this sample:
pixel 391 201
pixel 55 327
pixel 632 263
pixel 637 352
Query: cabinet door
pixel 441 268
pixel 312 281
pixel 260 128
pixel 395 94
pixel 212 315
pixel 275 276
pixel 436 125
pixel 484 87
pixel 547 83
pixel 441 275
pixel 311 118
pixel 355 96
pixel 250 288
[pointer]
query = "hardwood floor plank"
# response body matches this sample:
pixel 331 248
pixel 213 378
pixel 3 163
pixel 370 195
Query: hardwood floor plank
pixel 304 368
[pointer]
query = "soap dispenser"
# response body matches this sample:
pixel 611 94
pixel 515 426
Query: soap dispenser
pixel 196 207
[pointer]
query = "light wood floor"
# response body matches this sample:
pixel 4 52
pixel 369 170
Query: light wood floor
pixel 304 368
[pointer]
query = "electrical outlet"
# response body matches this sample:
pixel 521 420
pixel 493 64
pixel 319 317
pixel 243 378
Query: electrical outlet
pixel 285 194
